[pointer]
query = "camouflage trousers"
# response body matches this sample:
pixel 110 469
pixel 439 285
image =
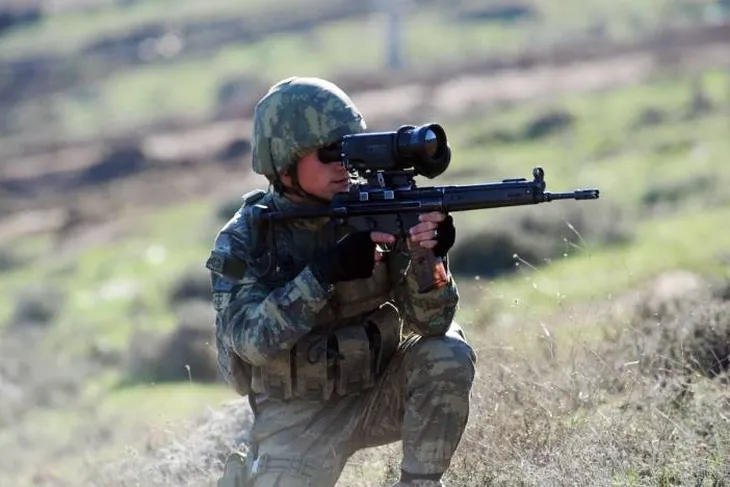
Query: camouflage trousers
pixel 422 398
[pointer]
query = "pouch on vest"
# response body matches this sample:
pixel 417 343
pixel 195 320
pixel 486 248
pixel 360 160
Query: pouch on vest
pixel 384 330
pixel 346 361
pixel 314 367
pixel 276 378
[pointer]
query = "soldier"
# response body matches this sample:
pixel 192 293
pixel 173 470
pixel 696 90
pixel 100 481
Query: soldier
pixel 328 337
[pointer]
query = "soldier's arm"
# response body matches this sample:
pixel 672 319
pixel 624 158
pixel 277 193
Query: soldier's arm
pixel 425 314
pixel 260 322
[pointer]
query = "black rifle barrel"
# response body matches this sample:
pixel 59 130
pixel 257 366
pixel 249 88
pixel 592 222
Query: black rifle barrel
pixel 581 194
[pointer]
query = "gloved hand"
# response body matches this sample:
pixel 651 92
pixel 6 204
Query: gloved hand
pixel 445 236
pixel 352 258
pixel 435 231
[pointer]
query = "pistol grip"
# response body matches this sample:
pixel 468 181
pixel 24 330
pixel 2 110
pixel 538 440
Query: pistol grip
pixel 429 270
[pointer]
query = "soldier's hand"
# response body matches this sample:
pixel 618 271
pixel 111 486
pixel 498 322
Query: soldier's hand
pixel 352 258
pixel 435 231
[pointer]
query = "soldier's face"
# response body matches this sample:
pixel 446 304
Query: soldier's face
pixel 321 179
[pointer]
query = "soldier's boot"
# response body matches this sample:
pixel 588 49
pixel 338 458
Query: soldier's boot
pixel 235 471
pixel 420 483
pixel 409 480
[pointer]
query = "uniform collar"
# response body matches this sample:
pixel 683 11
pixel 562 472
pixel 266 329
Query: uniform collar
pixel 282 202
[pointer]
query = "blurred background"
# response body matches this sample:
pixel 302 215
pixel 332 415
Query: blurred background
pixel 602 326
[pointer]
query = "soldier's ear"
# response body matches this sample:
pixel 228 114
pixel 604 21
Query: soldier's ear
pixel 285 175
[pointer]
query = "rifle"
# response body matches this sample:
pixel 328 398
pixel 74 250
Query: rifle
pixel 384 196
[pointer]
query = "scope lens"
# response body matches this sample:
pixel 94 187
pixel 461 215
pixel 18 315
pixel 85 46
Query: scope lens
pixel 431 144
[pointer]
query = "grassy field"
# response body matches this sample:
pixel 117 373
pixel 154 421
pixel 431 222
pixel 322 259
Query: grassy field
pixel 188 85
pixel 639 145
pixel 68 32
pixel 602 148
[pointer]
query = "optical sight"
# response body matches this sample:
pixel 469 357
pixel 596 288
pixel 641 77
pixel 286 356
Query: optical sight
pixel 424 149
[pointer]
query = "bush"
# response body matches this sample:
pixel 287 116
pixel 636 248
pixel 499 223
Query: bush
pixel 194 284
pixel 694 340
pixel 679 327
pixel 651 117
pixel 501 12
pixel 187 353
pixel 227 208
pixel 541 125
pixel 234 151
pixel 536 235
pixel 119 161
pixel 665 196
pixel 548 123
pixel 10 260
pixel 37 306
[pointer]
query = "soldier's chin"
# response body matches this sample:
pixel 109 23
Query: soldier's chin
pixel 342 185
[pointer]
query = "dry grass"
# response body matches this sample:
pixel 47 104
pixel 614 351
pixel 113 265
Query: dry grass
pixel 193 457
pixel 607 411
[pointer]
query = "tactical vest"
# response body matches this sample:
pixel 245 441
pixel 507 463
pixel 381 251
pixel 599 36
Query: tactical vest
pixel 354 336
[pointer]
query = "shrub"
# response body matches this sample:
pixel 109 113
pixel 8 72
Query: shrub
pixel 9 260
pixel 694 340
pixel 194 284
pixel 680 327
pixel 670 195
pixel 227 208
pixel 185 353
pixel 541 125
pixel 651 117
pixel 37 306
pixel 234 151
pixel 548 123
pixel 119 161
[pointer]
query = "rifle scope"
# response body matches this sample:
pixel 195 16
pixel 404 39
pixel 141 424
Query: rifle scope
pixel 423 148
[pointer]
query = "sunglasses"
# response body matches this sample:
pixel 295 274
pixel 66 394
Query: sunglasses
pixel 330 153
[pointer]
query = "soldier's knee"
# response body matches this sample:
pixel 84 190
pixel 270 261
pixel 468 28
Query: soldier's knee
pixel 448 357
pixel 270 471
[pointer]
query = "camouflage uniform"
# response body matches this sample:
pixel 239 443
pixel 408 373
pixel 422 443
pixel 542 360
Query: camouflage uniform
pixel 329 368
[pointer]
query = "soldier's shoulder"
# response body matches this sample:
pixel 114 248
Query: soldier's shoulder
pixel 239 227
pixel 237 240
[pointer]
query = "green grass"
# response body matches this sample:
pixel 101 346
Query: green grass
pixel 122 286
pixel 68 32
pixel 677 150
pixel 688 240
pixel 117 288
pixel 188 86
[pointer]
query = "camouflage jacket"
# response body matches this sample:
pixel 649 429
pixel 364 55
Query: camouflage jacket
pixel 274 299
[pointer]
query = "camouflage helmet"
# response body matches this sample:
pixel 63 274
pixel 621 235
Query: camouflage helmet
pixel 296 116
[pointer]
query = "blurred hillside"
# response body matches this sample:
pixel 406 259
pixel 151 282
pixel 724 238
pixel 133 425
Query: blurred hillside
pixel 125 144
pixel 96 93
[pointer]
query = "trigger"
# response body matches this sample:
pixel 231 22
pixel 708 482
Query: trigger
pixel 383 248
